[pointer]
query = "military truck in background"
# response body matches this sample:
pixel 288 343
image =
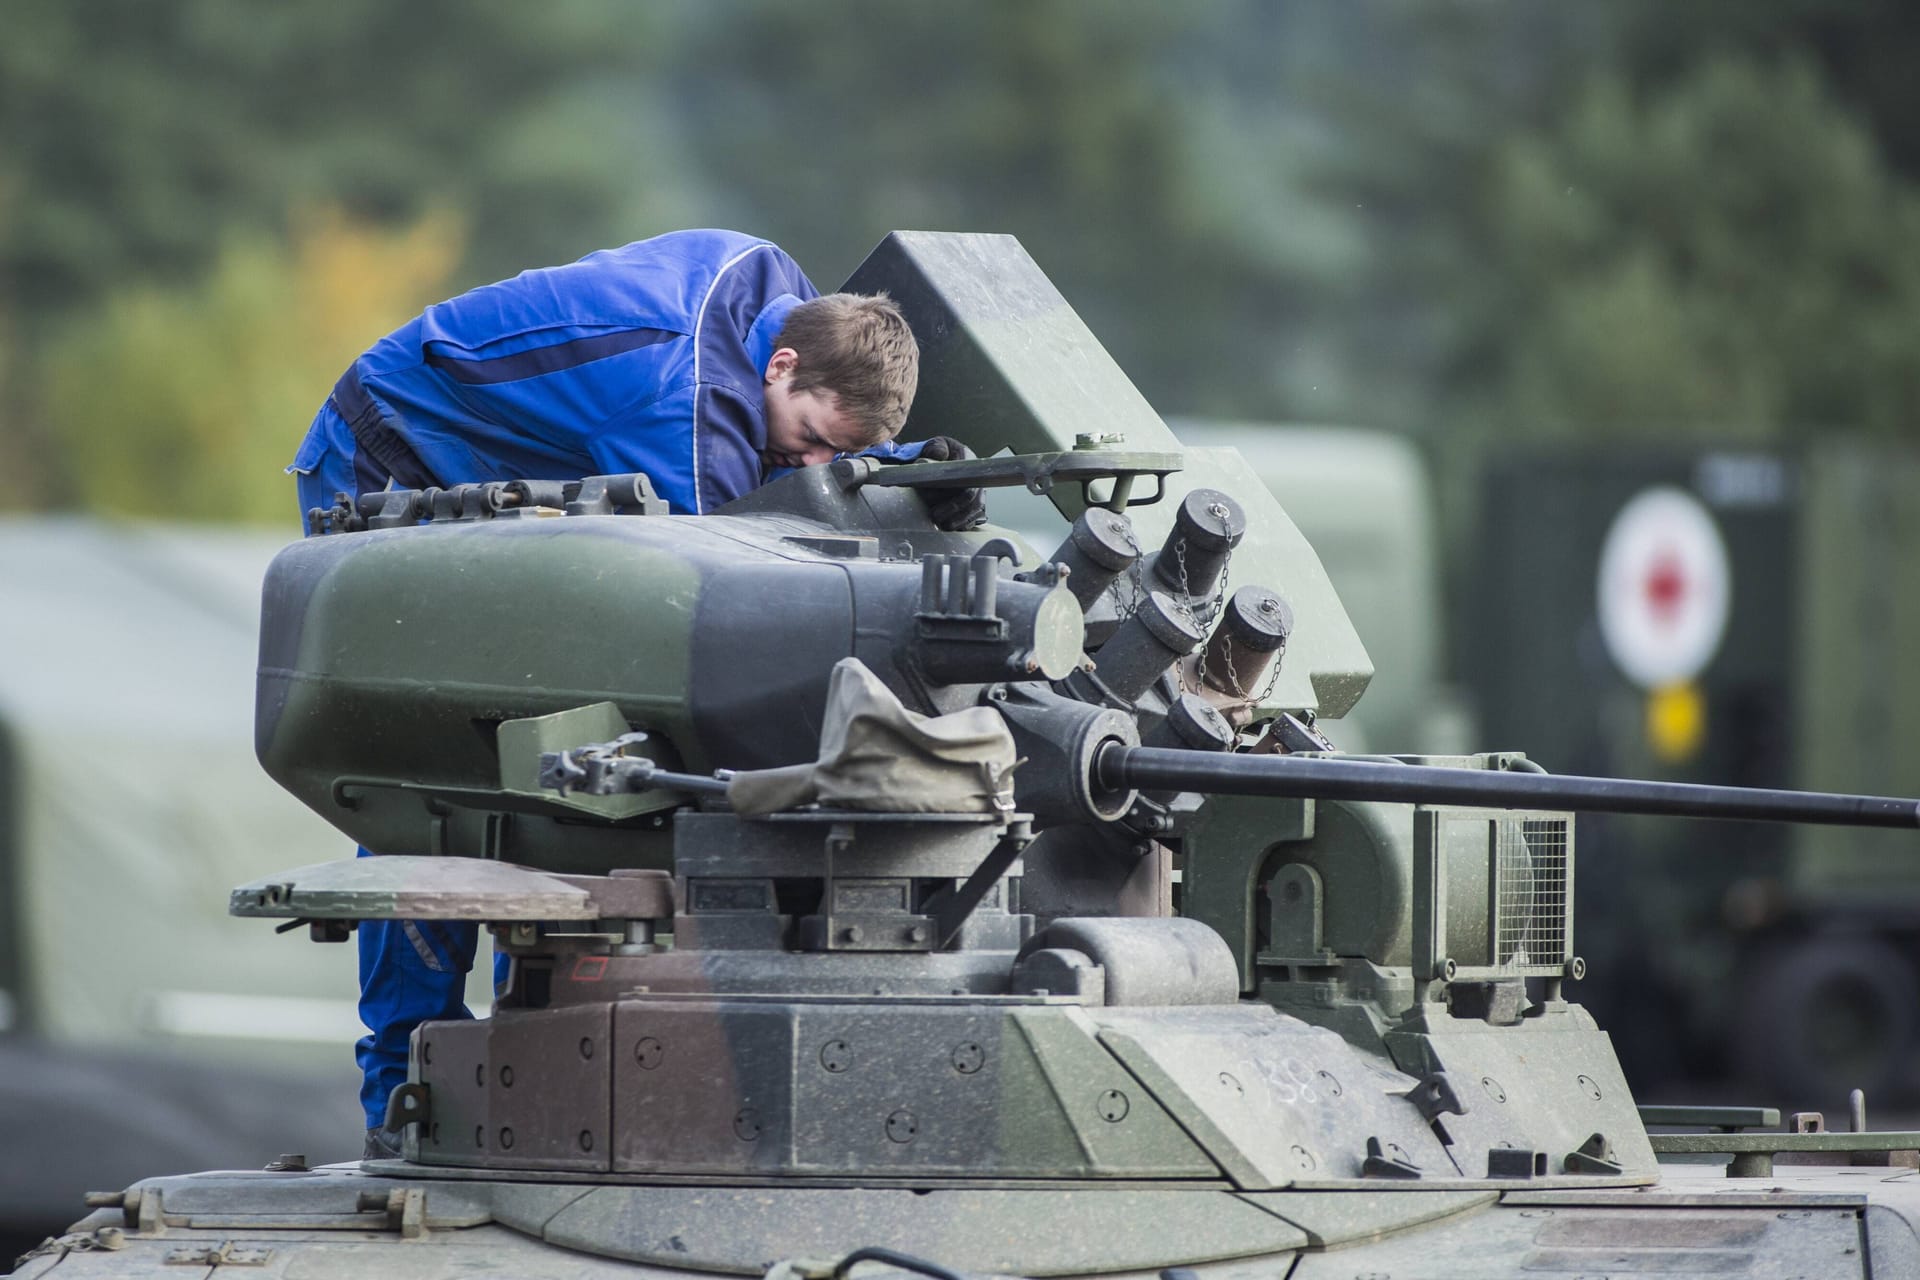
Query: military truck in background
pixel 1684 615
pixel 1734 617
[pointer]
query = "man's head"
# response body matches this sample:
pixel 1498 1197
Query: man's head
pixel 841 378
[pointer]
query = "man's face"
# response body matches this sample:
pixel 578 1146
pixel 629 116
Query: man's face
pixel 804 428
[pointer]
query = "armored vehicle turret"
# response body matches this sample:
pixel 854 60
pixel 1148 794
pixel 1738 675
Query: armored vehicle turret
pixel 886 898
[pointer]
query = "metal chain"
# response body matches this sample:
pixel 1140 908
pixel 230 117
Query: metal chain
pixel 1202 620
pixel 1233 675
pixel 1185 601
pixel 1213 608
pixel 1127 608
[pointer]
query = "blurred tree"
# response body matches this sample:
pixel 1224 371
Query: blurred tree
pixel 1430 110
pixel 1265 209
pixel 191 399
pixel 1093 133
pixel 141 133
pixel 1727 256
pixel 1413 103
pixel 18 475
pixel 1864 48
pixel 145 137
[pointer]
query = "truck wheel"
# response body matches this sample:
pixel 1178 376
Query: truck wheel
pixel 1825 1015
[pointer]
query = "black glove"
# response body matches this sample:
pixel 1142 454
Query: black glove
pixel 943 449
pixel 955 510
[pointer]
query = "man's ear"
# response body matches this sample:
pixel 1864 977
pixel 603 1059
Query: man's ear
pixel 782 365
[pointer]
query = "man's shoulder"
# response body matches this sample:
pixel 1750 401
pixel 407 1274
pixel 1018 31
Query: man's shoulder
pixel 696 252
pixel 666 283
pixel 686 275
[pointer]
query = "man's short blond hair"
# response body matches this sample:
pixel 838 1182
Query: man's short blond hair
pixel 859 348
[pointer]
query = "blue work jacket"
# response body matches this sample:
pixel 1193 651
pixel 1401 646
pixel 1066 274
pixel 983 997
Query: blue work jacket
pixel 644 358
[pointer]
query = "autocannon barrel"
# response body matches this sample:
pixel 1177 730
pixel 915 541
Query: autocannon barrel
pixel 1167 769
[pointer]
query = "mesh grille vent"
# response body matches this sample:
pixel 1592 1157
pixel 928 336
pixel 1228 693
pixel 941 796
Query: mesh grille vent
pixel 1530 893
pixel 1492 893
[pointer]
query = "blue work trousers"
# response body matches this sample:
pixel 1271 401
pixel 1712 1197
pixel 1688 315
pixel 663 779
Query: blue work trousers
pixel 411 971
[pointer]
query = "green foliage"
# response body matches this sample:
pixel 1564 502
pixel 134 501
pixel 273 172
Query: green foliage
pixel 141 133
pixel 1444 218
pixel 169 401
pixel 140 140
pixel 1078 128
pixel 1863 49
pixel 1729 256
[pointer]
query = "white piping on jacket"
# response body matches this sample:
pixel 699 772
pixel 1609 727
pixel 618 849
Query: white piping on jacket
pixel 699 323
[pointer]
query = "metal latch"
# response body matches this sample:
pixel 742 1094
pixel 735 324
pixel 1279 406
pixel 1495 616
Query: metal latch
pixel 227 1253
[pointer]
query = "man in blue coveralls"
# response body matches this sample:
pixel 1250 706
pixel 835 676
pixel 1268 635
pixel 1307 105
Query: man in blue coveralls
pixel 705 359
